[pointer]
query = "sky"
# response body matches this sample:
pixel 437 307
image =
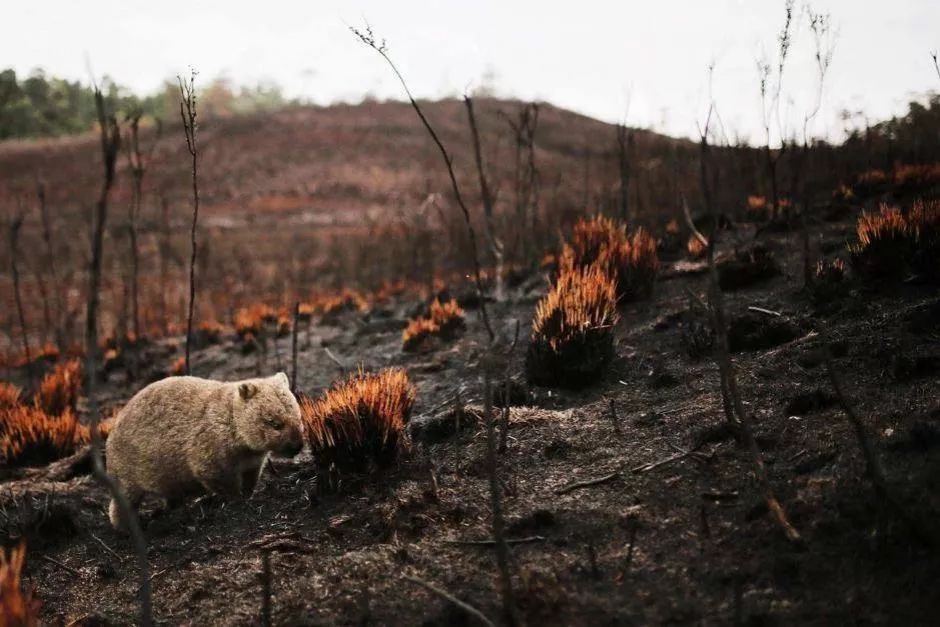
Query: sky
pixel 645 63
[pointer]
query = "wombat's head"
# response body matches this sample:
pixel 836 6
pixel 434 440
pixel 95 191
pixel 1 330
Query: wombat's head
pixel 267 416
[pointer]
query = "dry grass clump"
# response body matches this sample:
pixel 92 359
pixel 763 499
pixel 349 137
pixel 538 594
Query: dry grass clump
pixel 209 332
pixel 892 245
pixel 178 367
pixel 9 395
pixel 747 267
pixel 346 300
pixel 630 259
pixel 17 609
pixel 758 209
pixel 905 179
pixel 870 183
pixel 914 179
pixel 572 334
pixel 829 281
pixel 360 421
pixel 695 248
pixel 59 390
pixel 31 437
pixel 250 320
pixel 444 321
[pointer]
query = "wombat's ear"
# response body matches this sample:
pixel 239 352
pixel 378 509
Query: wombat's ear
pixel 282 379
pixel 247 390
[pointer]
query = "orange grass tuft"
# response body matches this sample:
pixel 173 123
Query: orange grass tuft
pixel 360 421
pixel 892 245
pixel 631 260
pixel 343 301
pixel 59 390
pixel 910 179
pixel 250 320
pixel 178 367
pixel 17 609
pixel 209 332
pixel 445 320
pixel 871 182
pixel 572 334
pixel 695 248
pixel 9 395
pixel 31 437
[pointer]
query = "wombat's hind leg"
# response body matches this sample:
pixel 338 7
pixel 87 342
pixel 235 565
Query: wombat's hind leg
pixel 134 497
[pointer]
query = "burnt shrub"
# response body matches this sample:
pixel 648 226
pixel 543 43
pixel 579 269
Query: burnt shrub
pixel 572 338
pixel 747 267
pixel 829 282
pixel 360 421
pixel 892 245
pixel 630 259
pixel 444 321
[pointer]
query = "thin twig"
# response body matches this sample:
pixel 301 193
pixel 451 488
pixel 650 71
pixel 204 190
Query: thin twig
pixel 293 348
pixel 731 397
pixel 266 589
pixel 768 312
pixel 188 116
pixel 590 482
pixel 110 145
pixel 662 462
pixel 106 547
pixel 368 38
pixel 61 565
pixel 335 359
pixel 873 466
pixel 444 594
pixel 496 502
pixel 491 542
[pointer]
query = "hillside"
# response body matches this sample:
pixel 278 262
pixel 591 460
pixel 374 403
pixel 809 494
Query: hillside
pixel 340 194
pixel 333 161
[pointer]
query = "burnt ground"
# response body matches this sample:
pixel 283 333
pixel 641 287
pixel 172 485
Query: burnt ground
pixel 687 541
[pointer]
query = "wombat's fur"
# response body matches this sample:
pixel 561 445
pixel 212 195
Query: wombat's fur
pixel 181 435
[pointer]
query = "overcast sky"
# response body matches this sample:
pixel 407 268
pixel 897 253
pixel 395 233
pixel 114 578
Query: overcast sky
pixel 592 56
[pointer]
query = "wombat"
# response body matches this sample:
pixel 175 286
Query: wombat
pixel 183 435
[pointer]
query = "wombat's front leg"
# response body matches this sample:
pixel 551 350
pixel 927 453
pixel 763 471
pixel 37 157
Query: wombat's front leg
pixel 250 480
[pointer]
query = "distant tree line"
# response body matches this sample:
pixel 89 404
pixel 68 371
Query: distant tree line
pixel 40 105
pixel 913 137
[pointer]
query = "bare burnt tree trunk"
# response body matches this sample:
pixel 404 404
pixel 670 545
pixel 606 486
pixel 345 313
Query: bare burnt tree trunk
pixel 496 502
pixel 486 194
pixel 47 324
pixel 526 179
pixel 731 397
pixel 873 466
pixel 16 223
pixel 294 329
pixel 138 167
pixel 110 145
pixel 188 115
pixel 368 38
pixel 624 148
pixel 166 251
pixel 51 268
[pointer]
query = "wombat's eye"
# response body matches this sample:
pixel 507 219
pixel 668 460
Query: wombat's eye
pixel 274 424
